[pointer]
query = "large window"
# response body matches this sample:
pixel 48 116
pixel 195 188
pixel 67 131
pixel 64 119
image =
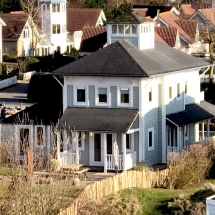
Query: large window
pixel 124 95
pixel 124 29
pixel 55 7
pixel 102 96
pixel 150 139
pixel 56 29
pixel 80 95
pixel 26 32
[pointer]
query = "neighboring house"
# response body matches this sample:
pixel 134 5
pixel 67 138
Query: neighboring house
pixel 17 35
pixel 32 127
pixel 188 31
pixel 188 9
pixel 142 94
pixel 53 22
pixel 77 18
pixel 93 39
pixel 168 34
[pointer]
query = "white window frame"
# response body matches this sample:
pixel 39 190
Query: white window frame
pixel 131 143
pixel 17 137
pixel 124 25
pixel 150 148
pixel 35 136
pixel 86 103
pixel 82 141
pixel 119 104
pixel 186 137
pixel 108 103
pixel 26 32
pixel 180 96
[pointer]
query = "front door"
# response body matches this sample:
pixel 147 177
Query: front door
pixel 96 148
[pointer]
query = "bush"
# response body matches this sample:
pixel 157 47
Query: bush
pixel 3 158
pixel 54 165
pixel 189 166
pixel 110 205
pixel 9 58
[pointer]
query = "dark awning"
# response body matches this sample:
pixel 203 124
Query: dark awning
pixel 192 113
pixel 98 119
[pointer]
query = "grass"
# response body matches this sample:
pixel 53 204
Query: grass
pixel 5 171
pixel 154 201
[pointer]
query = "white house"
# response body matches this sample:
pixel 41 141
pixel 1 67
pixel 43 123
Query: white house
pixel 2 23
pixel 53 22
pixel 142 94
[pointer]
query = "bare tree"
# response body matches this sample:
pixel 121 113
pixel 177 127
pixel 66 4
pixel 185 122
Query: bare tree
pixel 32 8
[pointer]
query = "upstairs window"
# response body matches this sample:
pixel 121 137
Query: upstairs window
pixel 124 29
pixel 102 95
pixel 81 95
pixel 178 90
pixel 26 32
pixel 55 7
pixel 150 139
pixel 186 88
pixel 145 28
pixel 124 95
pixel 56 29
pixel 150 94
pixel 170 92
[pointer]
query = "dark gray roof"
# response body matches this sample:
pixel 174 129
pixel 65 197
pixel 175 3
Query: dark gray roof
pixel 192 113
pixel 129 18
pixel 98 119
pixel 123 59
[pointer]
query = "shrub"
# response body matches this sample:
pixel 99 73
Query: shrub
pixel 111 205
pixel 9 58
pixel 184 206
pixel 10 69
pixel 28 64
pixel 189 166
pixel 54 165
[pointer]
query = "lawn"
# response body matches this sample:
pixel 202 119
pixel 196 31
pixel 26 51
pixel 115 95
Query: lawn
pixel 154 201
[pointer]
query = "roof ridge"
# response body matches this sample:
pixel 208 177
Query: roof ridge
pixel 119 42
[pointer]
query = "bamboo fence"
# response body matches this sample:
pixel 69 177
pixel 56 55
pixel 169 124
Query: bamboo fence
pixel 128 179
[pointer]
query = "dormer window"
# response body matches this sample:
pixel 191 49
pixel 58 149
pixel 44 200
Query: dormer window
pixel 124 29
pixel 55 7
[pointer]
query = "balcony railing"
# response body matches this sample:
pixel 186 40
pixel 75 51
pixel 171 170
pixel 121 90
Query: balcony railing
pixel 67 158
pixel 130 161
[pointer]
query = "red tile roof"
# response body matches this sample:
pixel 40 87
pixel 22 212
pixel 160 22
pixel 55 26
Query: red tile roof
pixel 159 38
pixel 15 23
pixel 93 38
pixel 182 25
pixel 140 11
pixel 209 14
pixel 77 18
pixel 168 34
pixel 188 9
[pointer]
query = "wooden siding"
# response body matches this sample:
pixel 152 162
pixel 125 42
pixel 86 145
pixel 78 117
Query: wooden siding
pixel 136 97
pixel 136 123
pixel 189 100
pixel 85 154
pixel 92 96
pixel 69 95
pixel 175 106
pixel 151 121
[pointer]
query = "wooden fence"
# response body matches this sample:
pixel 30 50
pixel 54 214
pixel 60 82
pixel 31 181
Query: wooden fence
pixel 129 179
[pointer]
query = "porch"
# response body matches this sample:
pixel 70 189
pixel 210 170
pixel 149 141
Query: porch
pixel 189 126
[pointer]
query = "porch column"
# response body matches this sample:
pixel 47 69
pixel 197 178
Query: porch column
pixel 76 147
pixel 48 142
pixel 203 131
pixel 105 150
pixel 208 128
pixel 178 137
pixel 123 138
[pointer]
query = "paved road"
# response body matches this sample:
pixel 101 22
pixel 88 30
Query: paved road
pixel 12 97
